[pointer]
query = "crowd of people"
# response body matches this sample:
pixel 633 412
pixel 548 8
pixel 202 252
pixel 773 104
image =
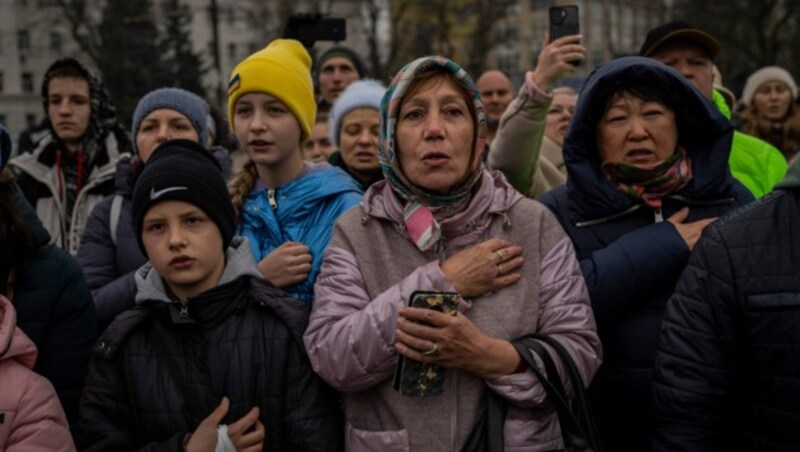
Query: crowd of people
pixel 161 290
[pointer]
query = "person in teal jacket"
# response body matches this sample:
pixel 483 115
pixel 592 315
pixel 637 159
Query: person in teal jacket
pixel 286 207
pixel 691 51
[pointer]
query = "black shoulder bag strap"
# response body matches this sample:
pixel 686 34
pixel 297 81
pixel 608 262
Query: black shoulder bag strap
pixel 573 432
pixel 487 434
pixel 580 403
pixel 577 425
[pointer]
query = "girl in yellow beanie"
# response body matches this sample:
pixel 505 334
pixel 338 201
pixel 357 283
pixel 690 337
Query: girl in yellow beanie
pixel 286 207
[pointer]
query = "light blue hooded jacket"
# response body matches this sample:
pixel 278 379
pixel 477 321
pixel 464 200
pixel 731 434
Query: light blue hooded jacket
pixel 303 210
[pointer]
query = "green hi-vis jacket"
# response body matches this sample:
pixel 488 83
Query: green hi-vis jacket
pixel 755 163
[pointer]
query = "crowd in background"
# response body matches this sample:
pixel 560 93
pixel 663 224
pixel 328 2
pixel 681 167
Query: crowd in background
pixel 199 282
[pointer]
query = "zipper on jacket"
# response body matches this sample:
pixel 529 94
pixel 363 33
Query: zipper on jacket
pixel 583 224
pixel 659 216
pixel 184 309
pixel 271 198
pixel 79 216
pixel 712 202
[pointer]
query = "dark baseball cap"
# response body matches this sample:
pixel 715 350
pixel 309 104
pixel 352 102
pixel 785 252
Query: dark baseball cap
pixel 679 31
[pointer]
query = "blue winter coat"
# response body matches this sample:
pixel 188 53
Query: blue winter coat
pixel 304 211
pixel 631 258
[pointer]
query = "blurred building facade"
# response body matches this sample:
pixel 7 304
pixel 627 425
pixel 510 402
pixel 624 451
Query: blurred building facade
pixel 30 39
pixel 610 29
pixel 479 34
pixel 34 33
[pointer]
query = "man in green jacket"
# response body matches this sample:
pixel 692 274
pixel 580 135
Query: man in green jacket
pixel 690 51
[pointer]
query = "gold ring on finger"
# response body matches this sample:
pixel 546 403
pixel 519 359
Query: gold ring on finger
pixel 500 268
pixel 433 351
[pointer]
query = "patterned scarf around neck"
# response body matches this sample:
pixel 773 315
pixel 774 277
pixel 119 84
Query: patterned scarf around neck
pixel 422 207
pixel 650 182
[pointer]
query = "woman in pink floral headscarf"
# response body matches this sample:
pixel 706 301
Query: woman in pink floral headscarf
pixel 440 222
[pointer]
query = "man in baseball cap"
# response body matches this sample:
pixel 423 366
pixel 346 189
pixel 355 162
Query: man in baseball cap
pixel 686 49
pixel 691 51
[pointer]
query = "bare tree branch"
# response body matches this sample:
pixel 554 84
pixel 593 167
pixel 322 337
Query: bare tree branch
pixel 81 29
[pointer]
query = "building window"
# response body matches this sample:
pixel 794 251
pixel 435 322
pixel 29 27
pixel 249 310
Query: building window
pixel 537 5
pixel 2 82
pixel 55 42
pixel 232 51
pixel 500 32
pixel 30 120
pixel 512 9
pixel 27 82
pixel 23 40
pixel 231 13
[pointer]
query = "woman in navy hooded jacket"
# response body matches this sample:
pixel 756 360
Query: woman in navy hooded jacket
pixel 646 157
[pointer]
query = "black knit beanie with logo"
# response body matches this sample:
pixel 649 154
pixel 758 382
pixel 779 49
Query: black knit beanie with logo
pixel 183 170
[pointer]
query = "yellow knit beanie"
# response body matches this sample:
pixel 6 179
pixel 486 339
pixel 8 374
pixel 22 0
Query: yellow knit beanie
pixel 282 70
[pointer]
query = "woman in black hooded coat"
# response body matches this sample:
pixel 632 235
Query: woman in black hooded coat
pixel 633 224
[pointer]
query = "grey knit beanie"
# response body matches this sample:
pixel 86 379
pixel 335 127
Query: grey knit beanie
pixel 359 94
pixel 767 74
pixel 184 102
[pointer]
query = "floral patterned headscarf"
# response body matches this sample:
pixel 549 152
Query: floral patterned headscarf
pixel 421 205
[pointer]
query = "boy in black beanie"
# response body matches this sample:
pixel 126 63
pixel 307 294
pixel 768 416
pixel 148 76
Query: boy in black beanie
pixel 206 327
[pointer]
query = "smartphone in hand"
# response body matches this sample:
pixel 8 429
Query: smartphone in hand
pixel 413 378
pixel 564 21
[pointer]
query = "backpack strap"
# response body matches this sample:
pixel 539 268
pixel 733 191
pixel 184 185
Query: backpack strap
pixel 116 212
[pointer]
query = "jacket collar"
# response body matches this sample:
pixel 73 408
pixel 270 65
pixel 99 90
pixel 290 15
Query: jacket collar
pixel 494 195
pixel 552 152
pixel 40 162
pixel 238 263
pixel 792 178
pixel 319 181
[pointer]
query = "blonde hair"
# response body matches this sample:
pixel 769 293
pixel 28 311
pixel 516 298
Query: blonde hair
pixel 241 185
pixel 564 90
pixel 783 134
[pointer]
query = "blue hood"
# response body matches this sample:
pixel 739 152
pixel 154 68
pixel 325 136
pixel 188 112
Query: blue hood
pixel 702 130
pixel 307 209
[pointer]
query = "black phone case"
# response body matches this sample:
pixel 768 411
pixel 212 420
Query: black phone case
pixel 563 21
pixel 413 378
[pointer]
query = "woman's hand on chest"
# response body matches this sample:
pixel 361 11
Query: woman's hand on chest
pixel 483 268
